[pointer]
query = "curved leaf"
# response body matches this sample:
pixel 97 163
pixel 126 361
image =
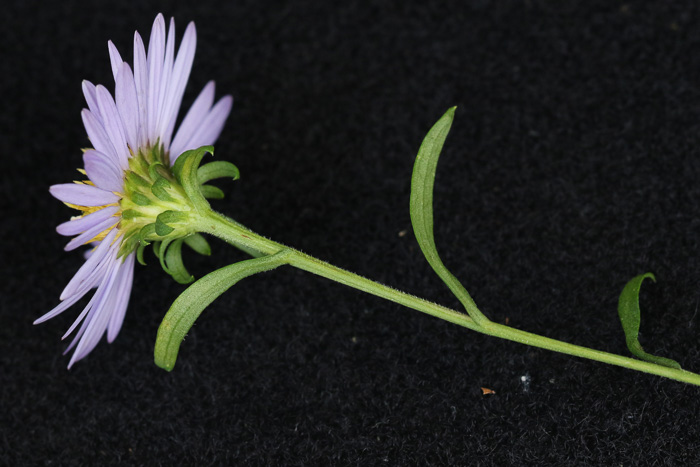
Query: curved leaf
pixel 422 183
pixel 190 304
pixel 630 317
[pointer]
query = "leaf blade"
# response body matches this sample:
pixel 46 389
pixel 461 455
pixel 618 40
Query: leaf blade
pixel 630 317
pixel 189 305
pixel 421 209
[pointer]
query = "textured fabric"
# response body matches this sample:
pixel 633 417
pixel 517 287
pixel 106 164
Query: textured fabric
pixel 572 166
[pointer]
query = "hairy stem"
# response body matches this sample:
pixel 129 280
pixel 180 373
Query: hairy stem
pixel 239 236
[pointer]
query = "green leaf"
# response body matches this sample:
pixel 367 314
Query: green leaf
pixel 176 268
pixel 421 207
pixel 217 169
pixel 190 304
pixel 199 244
pixel 630 317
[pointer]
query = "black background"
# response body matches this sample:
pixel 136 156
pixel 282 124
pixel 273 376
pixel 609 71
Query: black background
pixel 572 166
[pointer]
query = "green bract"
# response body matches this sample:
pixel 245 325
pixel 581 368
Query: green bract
pixel 161 205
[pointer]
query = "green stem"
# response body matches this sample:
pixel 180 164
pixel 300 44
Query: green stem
pixel 239 236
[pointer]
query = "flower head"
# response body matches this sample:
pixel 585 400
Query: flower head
pixel 131 134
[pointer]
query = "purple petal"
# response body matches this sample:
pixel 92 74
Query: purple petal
pixel 102 172
pixel 210 128
pixel 156 46
pixel 122 298
pixel 128 105
pixel 91 233
pixel 164 89
pixel 113 125
pixel 98 318
pixel 96 133
pixel 82 223
pixel 89 92
pixel 90 266
pixel 141 80
pixel 60 308
pixel 115 59
pixel 82 195
pixel 197 113
pixel 178 82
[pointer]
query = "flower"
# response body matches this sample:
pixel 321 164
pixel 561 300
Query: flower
pixel 131 138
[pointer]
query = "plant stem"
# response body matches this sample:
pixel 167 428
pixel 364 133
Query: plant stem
pixel 241 237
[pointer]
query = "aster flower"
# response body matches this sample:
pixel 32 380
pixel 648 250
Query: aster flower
pixel 131 134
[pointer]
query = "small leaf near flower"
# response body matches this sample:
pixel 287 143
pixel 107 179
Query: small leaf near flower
pixel 190 304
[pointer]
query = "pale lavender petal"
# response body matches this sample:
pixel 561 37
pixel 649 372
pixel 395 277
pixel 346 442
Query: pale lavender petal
pixel 197 113
pixel 90 265
pixel 181 73
pixel 82 195
pixel 89 252
pixel 97 319
pixel 128 105
pixel 91 233
pixel 113 125
pixel 210 128
pixel 60 308
pixel 82 223
pixel 156 46
pixel 97 134
pixel 109 264
pixel 90 94
pixel 165 79
pixel 141 80
pixel 122 298
pixel 102 172
pixel 115 59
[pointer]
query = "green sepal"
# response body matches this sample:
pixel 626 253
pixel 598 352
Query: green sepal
pixel 162 229
pixel 217 169
pixel 211 192
pixel 131 214
pixel 187 171
pixel 168 217
pixel 190 304
pixel 133 179
pixel 199 244
pixel 139 253
pixel 140 199
pixel 162 251
pixel 630 318
pixel 421 208
pixel 176 268
pixel 147 231
pixel 160 189
pixel 157 170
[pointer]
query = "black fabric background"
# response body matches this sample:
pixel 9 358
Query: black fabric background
pixel 572 166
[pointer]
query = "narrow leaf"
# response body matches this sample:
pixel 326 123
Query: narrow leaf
pixel 190 304
pixel 630 317
pixel 421 208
